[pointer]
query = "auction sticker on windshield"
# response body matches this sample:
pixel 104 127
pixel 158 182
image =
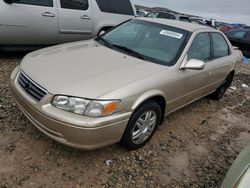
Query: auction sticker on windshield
pixel 171 34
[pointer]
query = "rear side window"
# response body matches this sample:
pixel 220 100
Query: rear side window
pixel 220 46
pixel 116 6
pixel 200 48
pixel 47 3
pixel 75 4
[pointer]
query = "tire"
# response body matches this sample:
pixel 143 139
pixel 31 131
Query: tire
pixel 142 126
pixel 219 93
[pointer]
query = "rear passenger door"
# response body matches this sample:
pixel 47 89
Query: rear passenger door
pixel 28 22
pixel 75 20
pixel 220 64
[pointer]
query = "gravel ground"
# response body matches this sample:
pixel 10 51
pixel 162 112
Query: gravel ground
pixel 194 148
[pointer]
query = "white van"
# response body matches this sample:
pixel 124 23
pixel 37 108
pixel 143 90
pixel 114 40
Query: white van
pixel 35 23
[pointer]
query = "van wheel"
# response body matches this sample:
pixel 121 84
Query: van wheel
pixel 142 126
pixel 219 93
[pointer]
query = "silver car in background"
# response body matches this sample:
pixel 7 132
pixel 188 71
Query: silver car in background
pixel 168 15
pixel 35 23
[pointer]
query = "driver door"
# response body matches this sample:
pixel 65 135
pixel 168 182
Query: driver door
pixel 190 85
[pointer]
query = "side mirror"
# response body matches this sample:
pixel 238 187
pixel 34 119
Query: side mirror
pixel 194 64
pixel 8 1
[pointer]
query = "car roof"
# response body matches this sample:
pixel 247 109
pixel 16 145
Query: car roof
pixel 175 23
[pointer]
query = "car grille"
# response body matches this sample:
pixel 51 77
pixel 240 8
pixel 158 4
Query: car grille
pixel 30 87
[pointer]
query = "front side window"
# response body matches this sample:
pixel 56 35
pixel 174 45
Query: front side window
pixel 220 46
pixel 116 6
pixel 75 4
pixel 47 3
pixel 200 48
pixel 154 42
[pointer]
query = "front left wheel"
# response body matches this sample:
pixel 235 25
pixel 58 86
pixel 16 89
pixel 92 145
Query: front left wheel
pixel 142 126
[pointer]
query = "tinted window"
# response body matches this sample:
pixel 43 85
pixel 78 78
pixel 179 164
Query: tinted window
pixel 166 16
pixel 48 3
pixel 237 34
pixel 200 48
pixel 247 36
pixel 155 42
pixel 184 19
pixel 116 6
pixel 75 4
pixel 220 46
pixel 172 17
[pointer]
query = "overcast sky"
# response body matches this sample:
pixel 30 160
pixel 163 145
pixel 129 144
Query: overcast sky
pixel 224 10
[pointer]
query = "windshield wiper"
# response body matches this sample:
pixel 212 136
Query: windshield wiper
pixel 107 43
pixel 138 55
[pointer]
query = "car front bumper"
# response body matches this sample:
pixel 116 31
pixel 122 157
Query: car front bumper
pixel 73 130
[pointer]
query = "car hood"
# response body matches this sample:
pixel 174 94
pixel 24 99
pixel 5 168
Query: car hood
pixel 85 69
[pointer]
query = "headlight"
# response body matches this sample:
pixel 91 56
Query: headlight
pixel 71 104
pixel 87 107
pixel 101 108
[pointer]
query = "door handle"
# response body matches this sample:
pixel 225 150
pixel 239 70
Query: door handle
pixel 85 17
pixel 48 14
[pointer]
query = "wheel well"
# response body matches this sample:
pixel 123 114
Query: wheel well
pixel 161 101
pixel 232 73
pixel 105 28
pixel 229 78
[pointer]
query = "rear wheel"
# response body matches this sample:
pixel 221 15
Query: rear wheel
pixel 142 126
pixel 219 93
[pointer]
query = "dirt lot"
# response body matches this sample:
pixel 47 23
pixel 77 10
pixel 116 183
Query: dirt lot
pixel 194 148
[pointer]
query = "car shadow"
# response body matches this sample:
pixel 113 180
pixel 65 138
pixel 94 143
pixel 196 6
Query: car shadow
pixel 19 54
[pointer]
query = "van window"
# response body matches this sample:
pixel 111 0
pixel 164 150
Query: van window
pixel 75 4
pixel 116 6
pixel 47 3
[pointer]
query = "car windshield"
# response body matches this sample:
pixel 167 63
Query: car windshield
pixel 147 40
